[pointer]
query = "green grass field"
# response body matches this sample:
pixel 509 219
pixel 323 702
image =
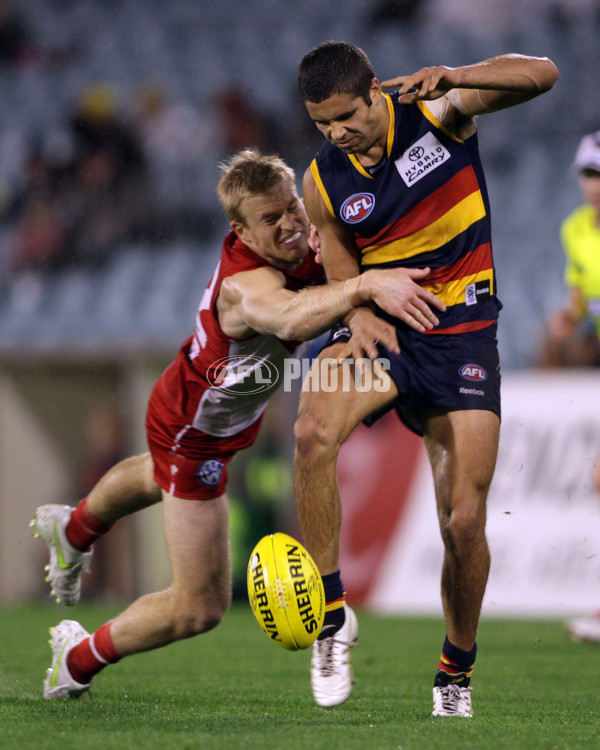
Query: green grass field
pixel 232 688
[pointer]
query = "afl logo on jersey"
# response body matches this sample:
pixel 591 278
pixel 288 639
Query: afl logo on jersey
pixel 357 207
pixel 472 372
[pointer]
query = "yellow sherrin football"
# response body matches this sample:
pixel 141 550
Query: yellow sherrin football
pixel 286 591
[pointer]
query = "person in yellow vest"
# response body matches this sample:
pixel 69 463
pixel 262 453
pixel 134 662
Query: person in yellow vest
pixel 573 336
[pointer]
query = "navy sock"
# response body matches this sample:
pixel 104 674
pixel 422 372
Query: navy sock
pixel 335 596
pixel 455 666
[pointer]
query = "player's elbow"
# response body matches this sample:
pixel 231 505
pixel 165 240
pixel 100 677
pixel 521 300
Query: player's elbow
pixel 547 75
pixel 289 330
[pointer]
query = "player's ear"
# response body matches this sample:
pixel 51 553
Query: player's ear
pixel 238 228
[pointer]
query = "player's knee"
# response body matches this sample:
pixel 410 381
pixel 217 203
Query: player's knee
pixel 463 530
pixel 197 616
pixel 314 436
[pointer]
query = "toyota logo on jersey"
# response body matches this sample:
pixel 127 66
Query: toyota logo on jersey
pixel 357 207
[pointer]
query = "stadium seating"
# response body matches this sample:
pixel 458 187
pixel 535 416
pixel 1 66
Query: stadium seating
pixel 195 49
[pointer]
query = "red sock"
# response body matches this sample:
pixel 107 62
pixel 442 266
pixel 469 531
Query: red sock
pixel 87 658
pixel 83 529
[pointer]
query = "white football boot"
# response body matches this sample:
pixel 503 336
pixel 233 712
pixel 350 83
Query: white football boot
pixel 331 676
pixel 452 700
pixel 59 685
pixel 586 629
pixel 66 563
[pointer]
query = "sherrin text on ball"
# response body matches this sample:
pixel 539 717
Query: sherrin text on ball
pixel 286 591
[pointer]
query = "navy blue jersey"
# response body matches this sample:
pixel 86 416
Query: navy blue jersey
pixel 425 204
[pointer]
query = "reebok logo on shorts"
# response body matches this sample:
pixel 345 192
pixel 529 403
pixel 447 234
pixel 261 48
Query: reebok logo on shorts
pixel 471 391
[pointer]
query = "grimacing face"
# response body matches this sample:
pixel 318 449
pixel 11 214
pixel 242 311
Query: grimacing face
pixel 349 123
pixel 276 226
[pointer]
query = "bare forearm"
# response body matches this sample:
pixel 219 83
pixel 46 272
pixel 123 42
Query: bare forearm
pixel 312 311
pixel 511 72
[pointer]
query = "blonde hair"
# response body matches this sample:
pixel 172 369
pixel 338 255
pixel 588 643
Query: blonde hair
pixel 249 173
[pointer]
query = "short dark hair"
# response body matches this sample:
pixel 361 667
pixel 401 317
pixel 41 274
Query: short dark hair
pixel 335 68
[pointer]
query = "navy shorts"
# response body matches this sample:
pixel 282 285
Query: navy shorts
pixel 437 371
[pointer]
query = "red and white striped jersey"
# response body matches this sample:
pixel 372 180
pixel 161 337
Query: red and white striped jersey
pixel 218 384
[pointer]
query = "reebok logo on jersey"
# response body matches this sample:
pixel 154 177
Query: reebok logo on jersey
pixel 421 158
pixel 357 207
pixel 477 291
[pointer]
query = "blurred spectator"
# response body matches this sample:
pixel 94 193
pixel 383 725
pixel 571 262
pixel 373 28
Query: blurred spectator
pixel 405 13
pixel 485 20
pixel 242 123
pixel 16 40
pixel 99 128
pixel 172 133
pixel 573 335
pixel 39 230
pixel 179 144
pixel 85 189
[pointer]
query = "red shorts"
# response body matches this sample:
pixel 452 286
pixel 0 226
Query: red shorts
pixel 188 463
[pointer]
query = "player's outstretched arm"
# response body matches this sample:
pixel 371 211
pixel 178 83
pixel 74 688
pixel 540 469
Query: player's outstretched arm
pixel 487 86
pixel 257 300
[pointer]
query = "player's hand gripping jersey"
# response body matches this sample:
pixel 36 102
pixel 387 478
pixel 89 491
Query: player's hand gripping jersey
pixel 425 204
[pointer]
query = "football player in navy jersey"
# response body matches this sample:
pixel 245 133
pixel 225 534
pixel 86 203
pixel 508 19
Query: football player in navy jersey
pixel 399 184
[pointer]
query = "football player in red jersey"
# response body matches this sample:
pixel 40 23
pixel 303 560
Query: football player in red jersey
pixel 266 295
pixel 399 184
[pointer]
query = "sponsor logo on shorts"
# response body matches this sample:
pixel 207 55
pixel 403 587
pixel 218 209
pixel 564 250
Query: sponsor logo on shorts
pixel 210 472
pixel 471 392
pixel 472 372
pixel 357 207
pixel 422 157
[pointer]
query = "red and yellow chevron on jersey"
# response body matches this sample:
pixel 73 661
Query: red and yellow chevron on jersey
pixel 425 204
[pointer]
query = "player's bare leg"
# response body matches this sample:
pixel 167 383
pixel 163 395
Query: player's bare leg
pixel 197 534
pixel 462 448
pixel 325 420
pixel 198 542
pixel 126 488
